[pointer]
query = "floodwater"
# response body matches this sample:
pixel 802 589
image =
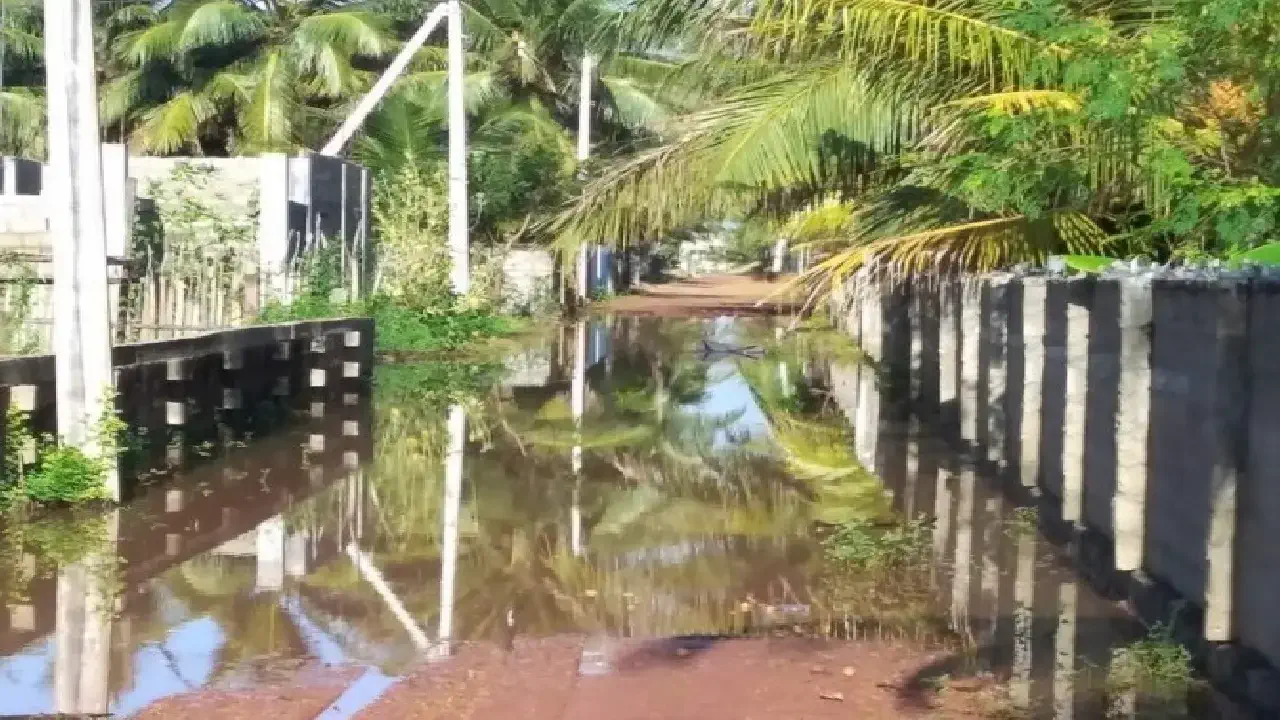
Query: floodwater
pixel 617 478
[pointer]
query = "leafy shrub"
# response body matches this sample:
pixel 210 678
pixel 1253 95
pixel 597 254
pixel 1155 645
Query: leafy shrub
pixel 66 474
pixel 868 546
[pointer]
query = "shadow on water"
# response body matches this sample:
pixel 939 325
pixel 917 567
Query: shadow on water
pixel 664 483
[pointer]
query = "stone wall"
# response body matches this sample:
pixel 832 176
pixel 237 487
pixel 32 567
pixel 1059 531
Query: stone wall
pixel 1144 410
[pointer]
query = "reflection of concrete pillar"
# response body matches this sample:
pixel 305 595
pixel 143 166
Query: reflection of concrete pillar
pixel 962 565
pixel 295 554
pixel 1132 423
pixel 1074 417
pixel 1034 299
pixel 867 426
pixel 578 390
pixel 1023 616
pixel 270 554
pixel 1123 701
pixel 82 636
pixel 449 534
pixel 575 524
pixel 1064 668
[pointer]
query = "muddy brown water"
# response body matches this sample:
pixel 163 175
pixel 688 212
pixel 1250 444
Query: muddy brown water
pixel 625 480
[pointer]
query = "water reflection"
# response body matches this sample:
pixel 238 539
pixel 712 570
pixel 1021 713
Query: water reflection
pixel 631 477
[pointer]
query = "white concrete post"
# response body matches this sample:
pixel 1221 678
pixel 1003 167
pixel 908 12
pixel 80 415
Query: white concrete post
pixel 77 225
pixel 459 243
pixel 1034 301
pixel 1074 417
pixel 585 82
pixel 273 227
pixel 1129 507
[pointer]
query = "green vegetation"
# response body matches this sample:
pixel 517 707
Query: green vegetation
pixel 920 136
pixel 1154 665
pixel 863 546
pixel 44 471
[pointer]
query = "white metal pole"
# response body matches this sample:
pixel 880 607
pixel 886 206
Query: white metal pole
pixel 459 244
pixel 380 88
pixel 77 224
pixel 585 82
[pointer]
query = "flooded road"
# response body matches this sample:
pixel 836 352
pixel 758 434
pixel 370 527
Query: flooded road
pixel 618 487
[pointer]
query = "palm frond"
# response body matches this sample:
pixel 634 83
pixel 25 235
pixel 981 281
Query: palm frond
pixel 175 125
pixel 22 123
pixel 266 122
pixel 634 103
pixel 219 23
pixel 349 32
pixel 773 136
pixel 961 35
pixel 1017 101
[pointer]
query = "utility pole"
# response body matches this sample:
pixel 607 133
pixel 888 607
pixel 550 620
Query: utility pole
pixel 584 152
pixel 77 227
pixel 459 243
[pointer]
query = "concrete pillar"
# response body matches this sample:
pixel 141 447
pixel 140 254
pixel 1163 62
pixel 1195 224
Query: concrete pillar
pixel 459 217
pixel 77 222
pixel 970 336
pixel 995 310
pixel 867 428
pixel 1034 299
pixel 1132 424
pixel 273 227
pixel 1228 451
pixel 948 395
pixel 1075 416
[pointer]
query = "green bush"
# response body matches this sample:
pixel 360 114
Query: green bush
pixel 65 474
pixel 864 545
pixel 399 327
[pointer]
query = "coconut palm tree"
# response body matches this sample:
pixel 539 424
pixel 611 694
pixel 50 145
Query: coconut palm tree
pixel 918 135
pixel 235 76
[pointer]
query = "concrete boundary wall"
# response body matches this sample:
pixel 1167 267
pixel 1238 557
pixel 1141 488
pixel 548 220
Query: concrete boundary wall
pixel 1145 411
pixel 182 393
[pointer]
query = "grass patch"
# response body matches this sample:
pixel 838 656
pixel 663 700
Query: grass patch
pixel 860 545
pixel 1155 665
pixel 401 327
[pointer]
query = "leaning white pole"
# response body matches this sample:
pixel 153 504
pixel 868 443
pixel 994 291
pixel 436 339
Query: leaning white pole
pixel 459 244
pixel 77 225
pixel 584 151
pixel 380 88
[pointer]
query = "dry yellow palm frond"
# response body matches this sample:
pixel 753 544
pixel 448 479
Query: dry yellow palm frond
pixel 978 246
pixel 828 219
pixel 1017 101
